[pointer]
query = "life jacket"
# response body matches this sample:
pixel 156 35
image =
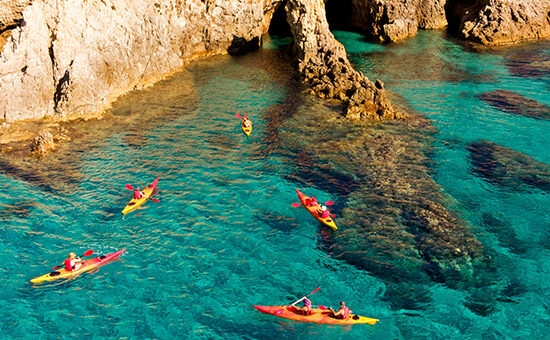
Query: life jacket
pixel 325 214
pixel 137 194
pixel 68 264
pixel 346 313
pixel 307 303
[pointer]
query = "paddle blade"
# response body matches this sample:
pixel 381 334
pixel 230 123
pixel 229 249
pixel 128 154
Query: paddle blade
pixel 329 203
pixel 296 205
pixel 88 253
pixel 322 307
pixel 314 291
pixel 155 200
pixel 129 187
pixel 333 216
pixel 238 116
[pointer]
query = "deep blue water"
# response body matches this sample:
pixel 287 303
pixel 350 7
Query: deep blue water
pixel 224 236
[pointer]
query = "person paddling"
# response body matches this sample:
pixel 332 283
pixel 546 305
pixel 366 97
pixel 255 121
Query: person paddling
pixel 324 212
pixel 246 122
pixel 72 262
pixel 306 309
pixel 342 313
pixel 138 194
pixel 313 202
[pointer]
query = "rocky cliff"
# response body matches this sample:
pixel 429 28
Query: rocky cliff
pixel 393 20
pixel 489 22
pixel 71 59
pixel 497 22
pixel 323 63
pixel 68 59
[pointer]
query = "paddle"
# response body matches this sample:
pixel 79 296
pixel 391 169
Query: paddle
pixel 322 307
pixel 239 116
pixel 296 205
pixel 292 305
pixel 154 199
pixel 87 253
pixel 129 187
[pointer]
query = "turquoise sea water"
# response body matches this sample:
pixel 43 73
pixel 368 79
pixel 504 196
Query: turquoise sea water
pixel 224 236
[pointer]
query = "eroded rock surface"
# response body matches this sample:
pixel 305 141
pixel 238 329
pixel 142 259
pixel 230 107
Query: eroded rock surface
pixel 72 59
pixel 496 22
pixel 394 20
pixel 508 168
pixel 323 63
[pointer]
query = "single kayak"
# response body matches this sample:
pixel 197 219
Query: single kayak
pixel 86 265
pixel 315 210
pixel 316 316
pixel 147 192
pixel 246 129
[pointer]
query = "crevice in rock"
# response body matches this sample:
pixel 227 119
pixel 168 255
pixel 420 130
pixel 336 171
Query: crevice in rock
pixel 455 11
pixel 60 91
pixel 339 13
pixel 279 25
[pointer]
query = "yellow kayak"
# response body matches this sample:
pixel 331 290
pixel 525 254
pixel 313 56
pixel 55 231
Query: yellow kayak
pixel 134 203
pixel 246 129
pixel 315 210
pixel 86 265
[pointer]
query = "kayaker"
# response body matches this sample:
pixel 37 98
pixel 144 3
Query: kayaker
pixel 306 309
pixel 73 262
pixel 324 212
pixel 247 122
pixel 343 312
pixel 138 194
pixel 313 202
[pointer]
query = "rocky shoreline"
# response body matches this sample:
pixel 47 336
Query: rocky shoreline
pixel 71 60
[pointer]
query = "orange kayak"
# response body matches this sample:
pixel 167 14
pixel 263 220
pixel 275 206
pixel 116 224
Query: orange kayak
pixel 315 210
pixel 134 203
pixel 86 265
pixel 316 316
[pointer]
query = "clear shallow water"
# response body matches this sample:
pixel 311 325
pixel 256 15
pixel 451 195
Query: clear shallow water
pixel 224 236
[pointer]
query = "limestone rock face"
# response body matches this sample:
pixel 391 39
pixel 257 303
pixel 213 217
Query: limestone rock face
pixel 71 59
pixel 495 22
pixel 393 20
pixel 323 63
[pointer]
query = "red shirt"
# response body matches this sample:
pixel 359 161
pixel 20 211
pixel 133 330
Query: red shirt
pixel 68 264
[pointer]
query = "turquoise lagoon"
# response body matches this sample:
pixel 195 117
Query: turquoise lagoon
pixel 224 236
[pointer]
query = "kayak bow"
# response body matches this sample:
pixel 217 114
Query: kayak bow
pixel 134 203
pixel 316 316
pixel 86 265
pixel 315 210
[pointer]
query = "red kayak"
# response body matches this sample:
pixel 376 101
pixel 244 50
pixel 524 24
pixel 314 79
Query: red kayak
pixel 316 316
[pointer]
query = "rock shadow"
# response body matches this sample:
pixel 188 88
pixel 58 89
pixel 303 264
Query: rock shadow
pixel 507 168
pixel 515 103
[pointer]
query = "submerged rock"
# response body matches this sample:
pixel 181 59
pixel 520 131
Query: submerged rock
pixel 515 103
pixel 43 143
pixel 508 168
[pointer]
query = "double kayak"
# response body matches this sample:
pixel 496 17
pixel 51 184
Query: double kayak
pixel 86 265
pixel 147 192
pixel 316 316
pixel 315 210
pixel 246 129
